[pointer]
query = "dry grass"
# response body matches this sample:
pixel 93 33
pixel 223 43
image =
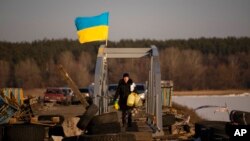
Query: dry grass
pixel 194 117
pixel 34 92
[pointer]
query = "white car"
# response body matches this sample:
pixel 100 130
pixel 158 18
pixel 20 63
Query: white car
pixel 141 90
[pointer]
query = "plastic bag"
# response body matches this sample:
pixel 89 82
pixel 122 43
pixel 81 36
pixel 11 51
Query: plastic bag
pixel 116 105
pixel 131 99
pixel 138 101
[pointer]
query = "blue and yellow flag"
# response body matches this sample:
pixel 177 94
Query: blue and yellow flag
pixel 92 28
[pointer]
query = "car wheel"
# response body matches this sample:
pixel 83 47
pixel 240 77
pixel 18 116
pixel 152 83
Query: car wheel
pixel 87 116
pixel 105 118
pixel 207 129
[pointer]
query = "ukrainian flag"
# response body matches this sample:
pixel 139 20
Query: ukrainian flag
pixel 92 28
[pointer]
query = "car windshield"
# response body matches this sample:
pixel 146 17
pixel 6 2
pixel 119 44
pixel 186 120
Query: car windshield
pixel 66 91
pixel 140 88
pixel 54 91
pixel 84 90
pixel 112 88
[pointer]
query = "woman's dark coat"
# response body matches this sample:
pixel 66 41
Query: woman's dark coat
pixel 122 91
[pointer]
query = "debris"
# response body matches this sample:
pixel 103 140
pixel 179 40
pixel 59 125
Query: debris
pixel 240 117
pixel 69 127
pixel 7 109
pixel 57 138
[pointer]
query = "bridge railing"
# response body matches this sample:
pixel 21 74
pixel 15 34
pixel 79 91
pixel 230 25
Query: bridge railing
pixel 154 97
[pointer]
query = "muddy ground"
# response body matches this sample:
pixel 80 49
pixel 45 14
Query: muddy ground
pixel 58 109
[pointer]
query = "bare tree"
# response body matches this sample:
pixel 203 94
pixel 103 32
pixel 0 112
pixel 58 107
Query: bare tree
pixel 78 70
pixel 84 66
pixel 4 73
pixel 53 77
pixel 234 72
pixel 170 59
pixel 191 69
pixel 27 74
pixel 184 67
pixel 137 68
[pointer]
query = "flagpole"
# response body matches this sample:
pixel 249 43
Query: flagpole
pixel 107 39
pixel 106 44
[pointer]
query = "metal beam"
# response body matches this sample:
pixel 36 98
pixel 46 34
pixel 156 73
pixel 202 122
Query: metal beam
pixel 154 98
pixel 123 52
pixel 157 89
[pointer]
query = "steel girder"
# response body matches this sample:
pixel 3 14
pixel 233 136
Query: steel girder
pixel 154 98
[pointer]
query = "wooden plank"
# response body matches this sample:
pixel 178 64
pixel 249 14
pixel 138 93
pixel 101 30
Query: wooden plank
pixel 72 85
pixel 140 119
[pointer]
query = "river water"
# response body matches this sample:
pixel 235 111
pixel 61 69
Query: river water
pixel 233 102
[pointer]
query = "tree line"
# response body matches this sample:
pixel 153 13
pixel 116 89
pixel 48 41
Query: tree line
pixel 203 63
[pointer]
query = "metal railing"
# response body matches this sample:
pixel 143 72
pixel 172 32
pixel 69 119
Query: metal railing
pixel 154 96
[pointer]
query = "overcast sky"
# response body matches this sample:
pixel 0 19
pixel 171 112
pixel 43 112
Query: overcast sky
pixel 28 20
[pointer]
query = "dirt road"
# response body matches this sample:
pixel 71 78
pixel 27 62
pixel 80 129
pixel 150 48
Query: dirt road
pixel 56 109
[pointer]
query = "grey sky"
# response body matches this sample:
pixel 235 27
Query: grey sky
pixel 28 20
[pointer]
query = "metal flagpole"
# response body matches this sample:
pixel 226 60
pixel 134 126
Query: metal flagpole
pixel 107 38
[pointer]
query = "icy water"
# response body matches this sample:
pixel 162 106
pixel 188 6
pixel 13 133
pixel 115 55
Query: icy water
pixel 233 102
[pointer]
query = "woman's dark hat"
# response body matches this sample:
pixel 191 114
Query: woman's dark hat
pixel 125 75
